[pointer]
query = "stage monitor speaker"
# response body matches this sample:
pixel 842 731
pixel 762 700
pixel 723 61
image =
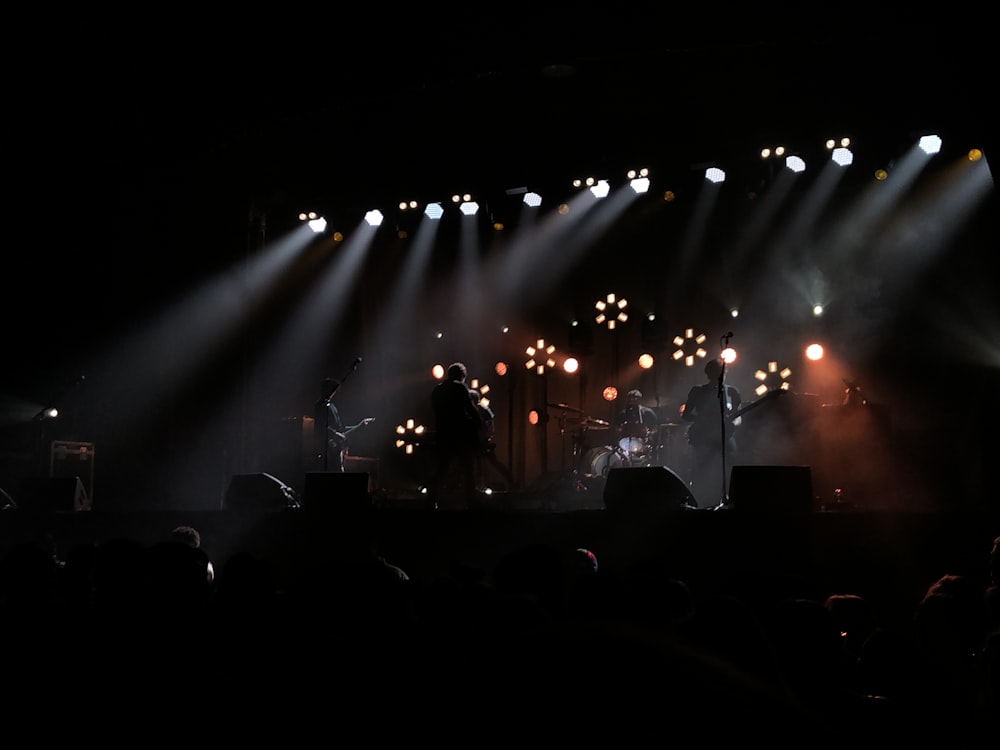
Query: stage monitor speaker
pixel 52 495
pixel 258 492
pixel 646 488
pixel 337 492
pixel 779 490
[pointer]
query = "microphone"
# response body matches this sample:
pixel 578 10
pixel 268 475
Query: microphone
pixel 356 362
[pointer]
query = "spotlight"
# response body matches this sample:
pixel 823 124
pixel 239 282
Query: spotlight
pixel 930 144
pixel 795 164
pixel 842 156
pixel 715 175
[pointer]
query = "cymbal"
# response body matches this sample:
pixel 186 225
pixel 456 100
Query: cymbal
pixel 565 407
pixel 590 423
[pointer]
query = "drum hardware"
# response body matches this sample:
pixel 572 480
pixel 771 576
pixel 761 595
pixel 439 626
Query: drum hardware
pixel 589 423
pixel 565 408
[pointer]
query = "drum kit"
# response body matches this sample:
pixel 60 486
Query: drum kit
pixel 635 447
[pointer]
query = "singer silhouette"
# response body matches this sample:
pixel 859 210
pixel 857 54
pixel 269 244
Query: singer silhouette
pixel 709 411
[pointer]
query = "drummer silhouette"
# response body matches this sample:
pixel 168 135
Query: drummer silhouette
pixel 634 428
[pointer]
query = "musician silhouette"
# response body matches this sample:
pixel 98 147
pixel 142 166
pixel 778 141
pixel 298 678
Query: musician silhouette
pixel 329 431
pixel 710 411
pixel 634 429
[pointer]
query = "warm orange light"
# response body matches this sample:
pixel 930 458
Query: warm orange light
pixel 645 361
pixel 610 393
pixel 533 417
pixel 814 352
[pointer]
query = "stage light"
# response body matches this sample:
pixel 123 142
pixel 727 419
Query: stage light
pixel 612 320
pixel 930 144
pixel 842 157
pixel 374 218
pixel 315 222
pixel 689 347
pixel 638 180
pixel 433 211
pixel 409 436
pixel 795 164
pixel 716 175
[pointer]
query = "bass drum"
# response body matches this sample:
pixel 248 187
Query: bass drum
pixel 599 461
pixel 632 446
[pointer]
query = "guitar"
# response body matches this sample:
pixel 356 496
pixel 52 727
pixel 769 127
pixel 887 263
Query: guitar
pixel 336 442
pixel 706 429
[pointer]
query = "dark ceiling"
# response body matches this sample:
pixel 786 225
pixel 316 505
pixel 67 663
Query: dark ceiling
pixel 140 143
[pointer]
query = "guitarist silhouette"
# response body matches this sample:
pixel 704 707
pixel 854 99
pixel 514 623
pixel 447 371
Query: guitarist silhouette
pixel 712 411
pixel 330 431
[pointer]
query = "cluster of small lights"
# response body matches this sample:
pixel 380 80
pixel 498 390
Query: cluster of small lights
pixel 840 152
pixel 638 180
pixel 612 320
pixel 316 222
pixel 535 357
pixel 792 162
pixel 689 347
pixel 409 436
pixel 465 204
pixel 764 375
pixel 599 188
pixel 483 391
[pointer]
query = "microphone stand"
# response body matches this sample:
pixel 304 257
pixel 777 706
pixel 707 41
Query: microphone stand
pixel 722 422
pixel 326 412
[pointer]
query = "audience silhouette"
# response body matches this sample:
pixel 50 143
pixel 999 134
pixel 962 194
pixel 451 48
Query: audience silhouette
pixel 521 643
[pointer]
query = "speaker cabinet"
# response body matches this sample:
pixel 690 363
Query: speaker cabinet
pixel 779 490
pixel 646 488
pixel 337 492
pixel 258 492
pixel 53 495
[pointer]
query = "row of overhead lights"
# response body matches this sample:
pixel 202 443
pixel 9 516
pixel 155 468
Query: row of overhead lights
pixel 638 180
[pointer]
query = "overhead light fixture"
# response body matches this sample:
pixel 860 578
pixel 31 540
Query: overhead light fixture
pixel 795 164
pixel 842 157
pixel 314 221
pixel 638 180
pixel 715 175
pixel 930 144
